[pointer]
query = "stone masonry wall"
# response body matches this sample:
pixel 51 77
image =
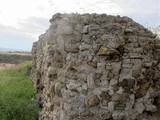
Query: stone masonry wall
pixel 97 67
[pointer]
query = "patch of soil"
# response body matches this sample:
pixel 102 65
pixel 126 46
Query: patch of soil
pixel 5 65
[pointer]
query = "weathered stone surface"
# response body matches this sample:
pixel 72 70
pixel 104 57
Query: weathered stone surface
pixel 72 50
pixel 139 107
pixel 127 65
pixel 157 46
pixel 104 51
pixel 93 64
pixel 91 100
pixel 96 67
pixel 113 82
pixel 151 108
pixel 118 97
pixel 118 115
pixel 85 29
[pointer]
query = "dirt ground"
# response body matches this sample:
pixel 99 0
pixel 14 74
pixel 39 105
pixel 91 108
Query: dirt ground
pixel 6 65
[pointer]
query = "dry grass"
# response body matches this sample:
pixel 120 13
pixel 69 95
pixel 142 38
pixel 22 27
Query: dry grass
pixel 16 94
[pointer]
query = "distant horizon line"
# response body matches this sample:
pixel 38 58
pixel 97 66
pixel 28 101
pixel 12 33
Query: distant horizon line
pixel 4 49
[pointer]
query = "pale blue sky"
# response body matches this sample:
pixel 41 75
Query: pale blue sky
pixel 22 21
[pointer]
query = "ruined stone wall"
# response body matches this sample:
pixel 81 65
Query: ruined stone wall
pixel 96 67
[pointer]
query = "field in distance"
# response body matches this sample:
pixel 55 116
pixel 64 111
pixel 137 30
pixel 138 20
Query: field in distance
pixel 14 57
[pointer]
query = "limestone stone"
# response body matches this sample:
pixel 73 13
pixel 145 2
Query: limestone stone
pixel 52 70
pixel 85 29
pixel 118 97
pixel 130 102
pixel 151 108
pixel 127 65
pixel 103 51
pixel 107 116
pixel 104 96
pixel 58 87
pixel 129 30
pixel 139 107
pixel 113 82
pixel 125 74
pixel 101 67
pixel 84 46
pixel 116 67
pixel 64 28
pixel 136 73
pixel 111 106
pixel 91 100
pixel 72 50
pixel 91 81
pixel 93 64
pixel 118 115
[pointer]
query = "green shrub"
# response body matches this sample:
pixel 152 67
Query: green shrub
pixel 16 93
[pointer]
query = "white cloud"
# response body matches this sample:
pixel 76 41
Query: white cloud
pixel 30 28
pixel 83 6
pixel 23 16
pixel 33 26
pixel 138 6
pixel 14 10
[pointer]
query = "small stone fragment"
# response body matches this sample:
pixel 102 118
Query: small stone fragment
pixel 102 51
pixel 118 115
pixel 72 63
pixel 136 73
pixel 151 108
pixel 72 50
pixel 91 81
pixel 139 107
pixel 113 82
pixel 111 106
pixel 118 97
pixel 58 87
pixel 107 116
pixel 127 65
pixel 93 64
pixel 85 29
pixel 52 70
pixel 128 30
pixel 91 100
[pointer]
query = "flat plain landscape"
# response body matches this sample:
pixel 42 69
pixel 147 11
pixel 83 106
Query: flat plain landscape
pixel 14 57
pixel 10 59
pixel 17 92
